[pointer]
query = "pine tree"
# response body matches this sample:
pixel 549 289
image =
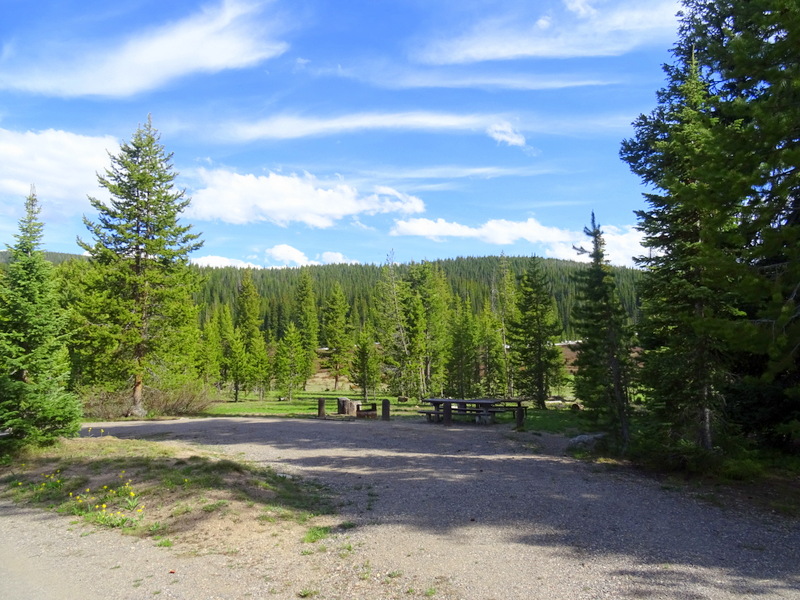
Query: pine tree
pixel 210 357
pixel 694 272
pixel 35 407
pixel 463 366
pixel 142 251
pixel 750 54
pixel 430 316
pixel 533 337
pixel 248 325
pixel 504 296
pixel 337 334
pixel 492 354
pixel 399 338
pixel 307 322
pixel 365 368
pixel 604 367
pixel 290 362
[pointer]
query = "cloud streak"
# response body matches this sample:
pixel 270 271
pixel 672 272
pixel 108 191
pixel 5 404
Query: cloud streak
pixel 581 31
pixel 622 243
pixel 225 36
pixel 282 127
pixel 226 196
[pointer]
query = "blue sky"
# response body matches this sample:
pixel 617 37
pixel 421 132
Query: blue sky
pixel 313 131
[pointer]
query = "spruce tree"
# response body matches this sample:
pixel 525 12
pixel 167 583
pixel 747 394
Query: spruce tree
pixel 533 337
pixel 751 55
pixel 307 322
pixel 365 368
pixel 694 272
pixel 504 300
pixel 248 325
pixel 604 367
pixel 463 366
pixel 144 291
pixel 337 334
pixel 35 407
pixel 290 363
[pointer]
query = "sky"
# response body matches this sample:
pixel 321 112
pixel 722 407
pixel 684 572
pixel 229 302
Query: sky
pixel 331 131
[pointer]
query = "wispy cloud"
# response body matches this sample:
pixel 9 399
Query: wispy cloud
pixel 391 76
pixel 221 261
pixel 622 243
pixel 289 256
pixel 294 126
pixel 228 35
pixel 582 30
pixel 283 127
pixel 223 195
pixel 62 166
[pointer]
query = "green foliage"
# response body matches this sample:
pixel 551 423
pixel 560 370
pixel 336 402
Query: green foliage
pixel 137 310
pixel 365 368
pixel 721 294
pixel 533 336
pixel 35 407
pixel 336 331
pixel 291 360
pixel 306 321
pixel 463 365
pixel 604 365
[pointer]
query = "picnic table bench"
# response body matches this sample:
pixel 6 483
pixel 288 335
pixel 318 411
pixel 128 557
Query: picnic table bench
pixel 483 409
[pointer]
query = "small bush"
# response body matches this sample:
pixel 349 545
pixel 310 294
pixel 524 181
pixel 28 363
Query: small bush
pixel 742 469
pixel 104 404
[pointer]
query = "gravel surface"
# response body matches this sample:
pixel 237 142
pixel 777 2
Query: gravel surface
pixel 464 512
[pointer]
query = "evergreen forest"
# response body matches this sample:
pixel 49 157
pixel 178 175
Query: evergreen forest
pixel 691 356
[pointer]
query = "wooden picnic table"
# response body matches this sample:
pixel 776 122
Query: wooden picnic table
pixel 483 409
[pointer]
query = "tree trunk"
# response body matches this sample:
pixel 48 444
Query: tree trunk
pixel 137 410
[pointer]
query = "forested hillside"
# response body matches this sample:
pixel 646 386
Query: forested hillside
pixel 467 277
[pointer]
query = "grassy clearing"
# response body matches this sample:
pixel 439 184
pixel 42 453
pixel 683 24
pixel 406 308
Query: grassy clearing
pixel 169 492
pixel 303 405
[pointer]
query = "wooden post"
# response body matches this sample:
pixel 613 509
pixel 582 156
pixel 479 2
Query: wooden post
pixel 385 410
pixel 448 413
pixel 520 418
pixel 321 408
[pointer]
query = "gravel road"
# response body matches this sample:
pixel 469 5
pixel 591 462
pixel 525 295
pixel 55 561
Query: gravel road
pixel 465 512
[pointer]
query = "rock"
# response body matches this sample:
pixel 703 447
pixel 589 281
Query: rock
pixel 584 443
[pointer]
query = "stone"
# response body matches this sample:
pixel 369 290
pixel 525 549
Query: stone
pixel 586 442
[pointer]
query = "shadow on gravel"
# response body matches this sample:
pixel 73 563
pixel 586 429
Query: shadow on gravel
pixel 447 480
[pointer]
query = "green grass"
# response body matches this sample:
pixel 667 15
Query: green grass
pixel 135 485
pixel 303 405
pixel 315 534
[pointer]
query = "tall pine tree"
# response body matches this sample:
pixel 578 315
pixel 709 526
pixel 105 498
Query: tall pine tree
pixel 604 366
pixel 533 337
pixel 337 334
pixel 144 293
pixel 35 407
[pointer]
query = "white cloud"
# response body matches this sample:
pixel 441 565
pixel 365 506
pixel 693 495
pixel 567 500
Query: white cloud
pixel 225 36
pixel 62 166
pixel 582 8
pixel 582 31
pixel 283 199
pixel 392 76
pixel 288 256
pixel 284 127
pixel 504 133
pixel 221 261
pixel 337 258
pixel 622 243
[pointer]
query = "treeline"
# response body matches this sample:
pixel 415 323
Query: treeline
pixel 707 364
pixel 473 278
